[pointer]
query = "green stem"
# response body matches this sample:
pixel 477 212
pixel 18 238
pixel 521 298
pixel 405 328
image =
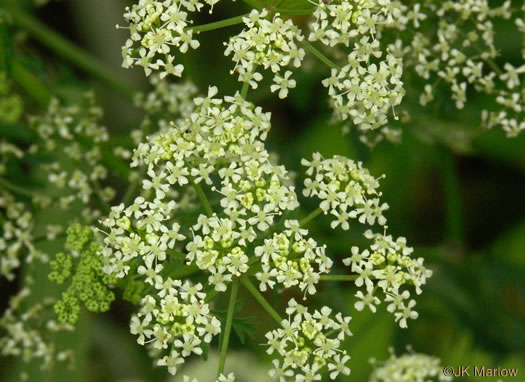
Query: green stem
pixel 452 191
pixel 310 217
pixel 30 84
pixel 16 189
pixel 228 327
pixel 67 50
pixel 246 85
pixel 202 196
pixel 254 3
pixel 218 24
pixel 319 55
pixel 338 277
pixel 132 190
pixel 295 12
pixel 260 299
pixel 104 205
pixel 244 90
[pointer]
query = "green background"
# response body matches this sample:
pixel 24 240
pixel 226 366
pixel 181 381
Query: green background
pixel 455 192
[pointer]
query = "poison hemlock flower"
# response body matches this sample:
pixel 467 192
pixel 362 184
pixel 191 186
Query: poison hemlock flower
pixel 175 322
pixel 23 335
pixel 266 44
pixel 415 367
pixel 291 258
pixel 347 190
pixel 155 28
pixel 78 133
pixel 309 344
pixel 388 266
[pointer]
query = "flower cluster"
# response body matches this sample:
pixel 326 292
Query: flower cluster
pixel 291 258
pixel 17 240
pixel 222 378
pixel 89 284
pixel 463 45
pixel 366 92
pixel 339 22
pixel 461 55
pixel 22 333
pixel 140 236
pixel 511 102
pixel 76 132
pixel 155 27
pixel 270 44
pixel 224 137
pixel 409 367
pixel 167 102
pixel 309 344
pixel 388 266
pixel 175 320
pixel 346 188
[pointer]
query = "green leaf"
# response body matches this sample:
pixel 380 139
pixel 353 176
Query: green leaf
pixel 6 48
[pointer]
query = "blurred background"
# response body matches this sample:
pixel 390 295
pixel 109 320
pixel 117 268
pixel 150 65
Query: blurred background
pixel 455 192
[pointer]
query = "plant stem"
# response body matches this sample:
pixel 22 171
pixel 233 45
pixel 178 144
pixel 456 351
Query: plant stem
pixel 246 85
pixel 67 50
pixel 295 12
pixel 244 90
pixel 228 327
pixel 30 84
pixel 218 24
pixel 319 55
pixel 202 196
pixel 452 191
pixel 260 299
pixel 16 189
pixel 310 217
pixel 254 3
pixel 338 277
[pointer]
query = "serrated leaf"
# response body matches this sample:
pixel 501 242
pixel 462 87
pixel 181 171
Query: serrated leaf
pixel 244 327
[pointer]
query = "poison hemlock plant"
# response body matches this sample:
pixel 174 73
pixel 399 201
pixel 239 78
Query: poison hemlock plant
pixel 209 209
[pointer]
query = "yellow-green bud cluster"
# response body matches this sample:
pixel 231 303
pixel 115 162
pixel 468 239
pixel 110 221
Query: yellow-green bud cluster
pixel 89 284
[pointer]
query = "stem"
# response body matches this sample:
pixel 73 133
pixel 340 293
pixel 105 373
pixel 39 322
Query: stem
pixel 254 3
pixel 260 299
pixel 244 90
pixel 246 85
pixel 228 327
pixel 310 217
pixel 202 196
pixel 338 277
pixel 218 24
pixel 295 12
pixel 319 55
pixel 452 190
pixel 104 205
pixel 30 84
pixel 67 50
pixel 16 189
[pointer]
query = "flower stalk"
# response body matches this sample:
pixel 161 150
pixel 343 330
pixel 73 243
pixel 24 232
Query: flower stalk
pixel 228 326
pixel 260 299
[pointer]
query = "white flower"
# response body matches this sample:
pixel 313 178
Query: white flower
pixel 308 345
pixel 408 367
pixel 269 44
pixel 283 84
pixel 155 27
